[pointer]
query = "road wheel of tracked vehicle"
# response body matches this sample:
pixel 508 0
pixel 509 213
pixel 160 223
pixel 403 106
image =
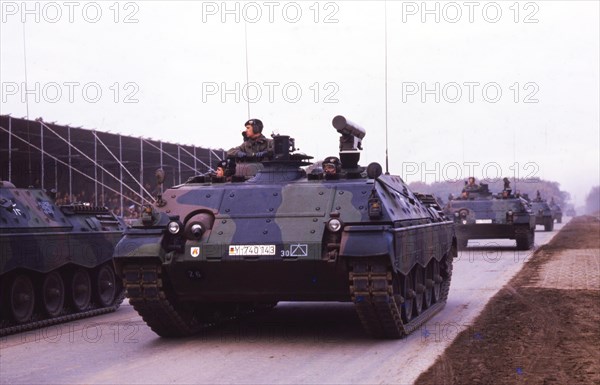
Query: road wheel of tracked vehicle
pixel 384 299
pixel 81 289
pixel 408 293
pixel 434 275
pixel 53 294
pixel 429 282
pixel 105 285
pixel 549 226
pixel 419 288
pixel 21 298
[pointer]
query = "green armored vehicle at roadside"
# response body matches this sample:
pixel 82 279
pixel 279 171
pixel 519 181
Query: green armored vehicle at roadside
pixel 479 214
pixel 543 213
pixel 216 248
pixel 55 262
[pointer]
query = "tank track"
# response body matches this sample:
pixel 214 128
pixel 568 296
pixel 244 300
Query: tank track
pixel 149 296
pixel 7 329
pixel 370 288
pixel 379 309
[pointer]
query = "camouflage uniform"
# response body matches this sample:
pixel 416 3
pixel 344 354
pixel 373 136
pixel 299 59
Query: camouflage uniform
pixel 252 146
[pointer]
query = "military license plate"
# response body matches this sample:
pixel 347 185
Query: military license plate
pixel 483 221
pixel 244 250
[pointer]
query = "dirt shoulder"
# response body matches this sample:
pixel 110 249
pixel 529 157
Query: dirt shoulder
pixel 543 327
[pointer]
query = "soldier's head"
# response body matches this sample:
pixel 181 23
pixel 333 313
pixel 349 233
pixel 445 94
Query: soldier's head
pixel 225 168
pixel 254 128
pixel 331 165
pixel 471 181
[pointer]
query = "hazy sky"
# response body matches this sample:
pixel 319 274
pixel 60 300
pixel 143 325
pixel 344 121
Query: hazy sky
pixel 484 88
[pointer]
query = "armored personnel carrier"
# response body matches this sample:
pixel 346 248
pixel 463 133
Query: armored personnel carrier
pixel 215 248
pixel 543 213
pixel 55 262
pixel 556 211
pixel 479 214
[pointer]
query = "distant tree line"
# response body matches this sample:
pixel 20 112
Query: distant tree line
pixel 592 201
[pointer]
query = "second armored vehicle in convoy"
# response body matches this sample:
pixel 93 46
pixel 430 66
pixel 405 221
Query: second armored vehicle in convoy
pixel 543 213
pixel 556 211
pixel 479 214
pixel 55 262
pixel 215 248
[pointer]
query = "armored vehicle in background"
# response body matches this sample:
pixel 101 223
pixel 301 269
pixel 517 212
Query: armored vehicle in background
pixel 479 214
pixel 212 249
pixel 543 213
pixel 556 211
pixel 571 212
pixel 55 262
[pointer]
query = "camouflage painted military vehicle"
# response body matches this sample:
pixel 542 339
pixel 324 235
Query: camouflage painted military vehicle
pixel 479 214
pixel 55 262
pixel 543 213
pixel 556 211
pixel 212 249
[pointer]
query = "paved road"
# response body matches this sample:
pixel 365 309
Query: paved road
pixel 295 343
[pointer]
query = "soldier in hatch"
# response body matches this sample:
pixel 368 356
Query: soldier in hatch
pixel 471 185
pixel 507 190
pixel 255 144
pixel 225 170
pixel 220 172
pixel 331 166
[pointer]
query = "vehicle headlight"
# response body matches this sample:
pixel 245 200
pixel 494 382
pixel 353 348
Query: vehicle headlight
pixel 197 230
pixel 334 225
pixel 173 227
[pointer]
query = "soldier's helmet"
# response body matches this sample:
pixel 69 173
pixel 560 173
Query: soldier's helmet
pixel 223 164
pixel 257 125
pixel 332 163
pixel 228 166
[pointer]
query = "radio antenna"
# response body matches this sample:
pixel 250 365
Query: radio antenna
pixel 247 71
pixel 515 160
pixel 29 171
pixel 25 68
pixel 387 171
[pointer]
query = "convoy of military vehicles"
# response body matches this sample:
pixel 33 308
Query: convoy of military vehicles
pixel 268 229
